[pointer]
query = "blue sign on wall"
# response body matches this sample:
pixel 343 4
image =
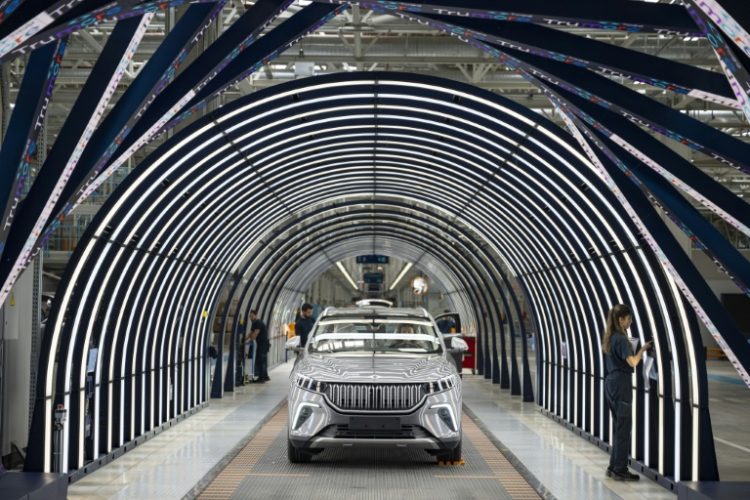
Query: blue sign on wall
pixel 372 259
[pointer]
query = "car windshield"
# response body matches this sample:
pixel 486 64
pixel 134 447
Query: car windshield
pixel 375 335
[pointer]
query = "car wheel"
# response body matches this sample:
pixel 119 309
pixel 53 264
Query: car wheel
pixel 453 455
pixel 296 455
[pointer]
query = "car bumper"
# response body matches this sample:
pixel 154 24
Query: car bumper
pixel 328 427
pixel 419 443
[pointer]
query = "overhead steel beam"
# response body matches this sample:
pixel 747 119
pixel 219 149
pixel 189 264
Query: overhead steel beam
pixel 620 15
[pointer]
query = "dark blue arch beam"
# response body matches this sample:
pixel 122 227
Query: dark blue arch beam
pixel 634 149
pixel 19 145
pixel 617 15
pixel 735 67
pixel 73 137
pixel 612 96
pixel 158 72
pixel 85 13
pixel 600 57
pixel 20 22
pixel 244 31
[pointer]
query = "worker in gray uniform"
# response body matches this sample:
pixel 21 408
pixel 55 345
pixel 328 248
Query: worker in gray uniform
pixel 619 362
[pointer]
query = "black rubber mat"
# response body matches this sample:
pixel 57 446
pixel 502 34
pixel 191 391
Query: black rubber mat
pixel 261 471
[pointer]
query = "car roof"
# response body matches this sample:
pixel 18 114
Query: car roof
pixel 360 312
pixel 374 303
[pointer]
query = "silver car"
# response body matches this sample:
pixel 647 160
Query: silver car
pixel 375 377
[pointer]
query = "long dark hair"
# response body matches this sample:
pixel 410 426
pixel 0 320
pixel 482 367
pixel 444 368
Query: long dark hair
pixel 613 324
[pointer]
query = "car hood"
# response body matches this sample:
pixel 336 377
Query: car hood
pixel 375 369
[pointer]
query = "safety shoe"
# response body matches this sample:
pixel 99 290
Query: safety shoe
pixel 625 475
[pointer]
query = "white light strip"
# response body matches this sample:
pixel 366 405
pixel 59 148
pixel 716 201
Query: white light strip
pixel 400 275
pixel 671 272
pixel 346 275
pixel 550 250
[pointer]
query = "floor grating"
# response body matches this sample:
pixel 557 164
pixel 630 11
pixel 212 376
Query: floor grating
pixel 261 470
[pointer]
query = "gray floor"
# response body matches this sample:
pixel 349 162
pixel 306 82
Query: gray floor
pixel 729 403
pixel 371 474
pixel 170 465
pixel 568 466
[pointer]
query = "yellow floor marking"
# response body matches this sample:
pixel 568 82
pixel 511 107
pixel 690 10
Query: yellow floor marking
pixel 227 481
pixel 465 477
pixel 276 474
pixel 454 462
pixel 505 473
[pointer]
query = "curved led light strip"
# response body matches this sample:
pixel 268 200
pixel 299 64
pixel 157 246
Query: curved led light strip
pixel 281 236
pixel 511 238
pixel 302 278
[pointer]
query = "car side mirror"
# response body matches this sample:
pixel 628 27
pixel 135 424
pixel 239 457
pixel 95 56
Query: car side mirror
pixel 458 345
pixel 293 344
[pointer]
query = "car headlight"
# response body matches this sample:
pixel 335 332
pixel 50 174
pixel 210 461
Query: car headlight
pixel 445 412
pixel 304 411
pixel 441 385
pixel 310 384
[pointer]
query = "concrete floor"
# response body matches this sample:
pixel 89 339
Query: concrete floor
pixel 729 403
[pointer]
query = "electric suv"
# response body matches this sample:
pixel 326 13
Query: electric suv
pixel 374 377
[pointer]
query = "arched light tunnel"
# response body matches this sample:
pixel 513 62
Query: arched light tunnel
pixel 260 197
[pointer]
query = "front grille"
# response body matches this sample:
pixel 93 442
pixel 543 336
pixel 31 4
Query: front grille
pixel 375 397
pixel 405 432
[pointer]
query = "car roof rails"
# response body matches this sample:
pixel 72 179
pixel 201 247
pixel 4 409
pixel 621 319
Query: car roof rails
pixel 374 303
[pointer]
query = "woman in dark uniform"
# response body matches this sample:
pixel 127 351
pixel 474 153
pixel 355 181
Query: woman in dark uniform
pixel 619 362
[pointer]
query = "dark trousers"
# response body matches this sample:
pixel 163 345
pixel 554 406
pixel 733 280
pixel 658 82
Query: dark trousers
pixel 619 395
pixel 261 362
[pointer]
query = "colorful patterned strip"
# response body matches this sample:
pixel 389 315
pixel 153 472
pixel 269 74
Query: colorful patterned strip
pixel 726 23
pixel 95 181
pixel 18 188
pixel 31 247
pixel 39 239
pixel 35 25
pixel 736 73
pixel 474 30
pixel 459 10
pixel 559 101
pixel 665 262
pixel 83 190
pixel 110 12
pixel 198 107
pixel 706 147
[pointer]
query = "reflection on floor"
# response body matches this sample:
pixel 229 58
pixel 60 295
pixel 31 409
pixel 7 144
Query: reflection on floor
pixel 729 402
pixel 261 470
pixel 170 465
pixel 175 463
pixel 568 466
